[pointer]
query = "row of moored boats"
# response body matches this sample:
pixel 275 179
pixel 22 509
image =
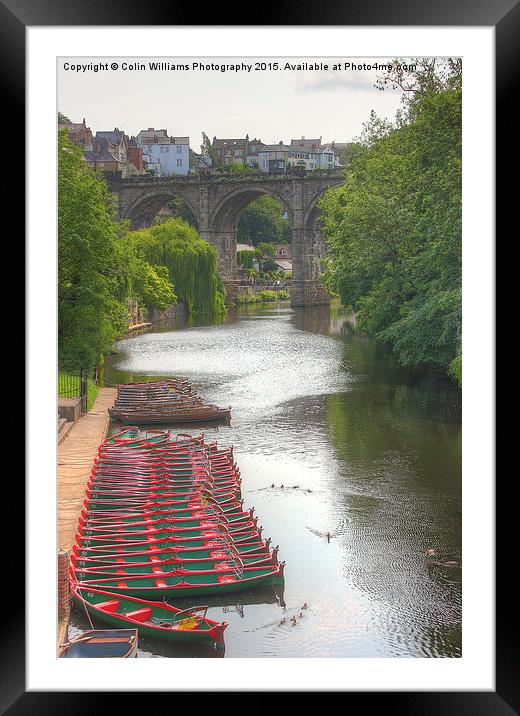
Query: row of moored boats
pixel 166 401
pixel 164 519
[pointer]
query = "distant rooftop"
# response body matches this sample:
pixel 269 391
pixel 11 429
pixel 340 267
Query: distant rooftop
pixel 306 143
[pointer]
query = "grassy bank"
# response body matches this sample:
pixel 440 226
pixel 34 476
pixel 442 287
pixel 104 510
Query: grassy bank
pixel 266 296
pixel 70 385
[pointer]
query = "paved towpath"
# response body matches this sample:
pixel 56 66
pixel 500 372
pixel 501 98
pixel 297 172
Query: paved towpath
pixel 76 455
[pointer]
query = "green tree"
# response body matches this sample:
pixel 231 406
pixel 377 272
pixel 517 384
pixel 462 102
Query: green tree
pixel 267 249
pixel 90 317
pixel 62 119
pixel 262 221
pixel 207 150
pixel 191 263
pixel 97 269
pixel 240 168
pixel 246 258
pixel 349 153
pixel 394 227
pixel 178 209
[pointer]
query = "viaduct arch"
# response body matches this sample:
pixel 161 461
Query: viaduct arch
pixel 217 202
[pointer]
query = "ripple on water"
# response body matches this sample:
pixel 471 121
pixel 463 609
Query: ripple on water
pixel 371 470
pixel 253 365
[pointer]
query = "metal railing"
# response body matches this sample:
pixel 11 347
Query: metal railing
pixel 75 385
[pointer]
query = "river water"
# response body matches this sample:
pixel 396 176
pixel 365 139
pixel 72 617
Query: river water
pixel 365 450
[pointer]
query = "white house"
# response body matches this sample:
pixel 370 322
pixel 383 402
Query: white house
pixel 329 158
pixel 305 153
pixel 171 154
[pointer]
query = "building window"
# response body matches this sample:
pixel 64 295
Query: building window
pixel 179 162
pixel 179 149
pixel 166 149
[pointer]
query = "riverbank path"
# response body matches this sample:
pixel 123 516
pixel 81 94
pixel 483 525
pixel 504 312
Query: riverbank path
pixel 76 454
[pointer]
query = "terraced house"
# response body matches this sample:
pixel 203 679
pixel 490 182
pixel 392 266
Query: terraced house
pixel 236 151
pixel 273 157
pixel 167 155
pixel 305 153
pixel 79 133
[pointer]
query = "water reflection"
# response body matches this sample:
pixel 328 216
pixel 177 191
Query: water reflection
pixel 366 450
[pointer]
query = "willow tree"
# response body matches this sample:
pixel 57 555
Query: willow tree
pixel 191 263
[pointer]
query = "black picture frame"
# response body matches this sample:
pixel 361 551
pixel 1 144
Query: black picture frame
pixel 504 16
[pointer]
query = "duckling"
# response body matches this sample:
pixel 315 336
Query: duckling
pixel 300 615
pixel 430 552
pixel 282 621
pixel 304 606
pixel 281 487
pixel 272 485
pixel 293 620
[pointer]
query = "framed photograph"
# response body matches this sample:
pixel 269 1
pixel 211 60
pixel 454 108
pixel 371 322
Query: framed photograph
pixel 255 254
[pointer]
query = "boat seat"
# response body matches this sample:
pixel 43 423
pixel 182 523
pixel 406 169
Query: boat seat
pixel 110 606
pixel 140 615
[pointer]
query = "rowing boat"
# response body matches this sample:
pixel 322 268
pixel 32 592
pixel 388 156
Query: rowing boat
pixel 163 402
pixel 102 644
pixel 152 619
pixel 188 585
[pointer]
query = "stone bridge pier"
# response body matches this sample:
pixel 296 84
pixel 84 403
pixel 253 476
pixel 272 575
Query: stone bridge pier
pixel 217 202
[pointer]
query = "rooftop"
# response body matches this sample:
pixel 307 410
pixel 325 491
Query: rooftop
pixel 116 136
pixel 306 143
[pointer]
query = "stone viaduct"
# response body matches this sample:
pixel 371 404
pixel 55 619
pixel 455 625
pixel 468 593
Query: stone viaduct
pixel 217 201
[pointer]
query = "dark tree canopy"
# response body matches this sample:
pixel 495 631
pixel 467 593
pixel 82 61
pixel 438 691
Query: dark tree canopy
pixel 263 222
pixel 394 227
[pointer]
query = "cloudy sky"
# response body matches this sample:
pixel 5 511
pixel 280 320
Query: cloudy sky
pixel 269 105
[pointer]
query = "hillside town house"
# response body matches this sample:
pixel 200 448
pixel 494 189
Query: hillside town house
pixel 103 157
pixel 305 153
pixel 236 151
pixel 273 157
pixel 168 155
pixel 283 257
pixel 137 160
pixel 79 133
pixel 118 141
pixel 329 157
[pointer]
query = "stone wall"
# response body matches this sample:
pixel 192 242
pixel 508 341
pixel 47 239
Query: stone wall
pixel 176 310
